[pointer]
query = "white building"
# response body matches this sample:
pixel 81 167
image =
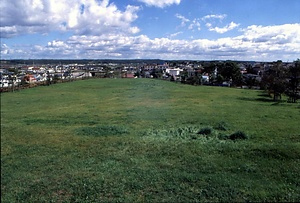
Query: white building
pixel 173 71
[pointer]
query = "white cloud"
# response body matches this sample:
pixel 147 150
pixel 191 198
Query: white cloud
pixel 134 30
pixel 183 19
pixel 222 30
pixel 279 34
pixel 160 3
pixel 284 42
pixel 211 23
pixel 8 31
pixel 255 42
pixel 56 43
pixel 214 16
pixel 175 34
pixel 4 49
pixel 195 24
pixel 80 16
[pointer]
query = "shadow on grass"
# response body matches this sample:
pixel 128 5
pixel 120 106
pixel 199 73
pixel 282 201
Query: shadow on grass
pixel 263 97
pixel 256 99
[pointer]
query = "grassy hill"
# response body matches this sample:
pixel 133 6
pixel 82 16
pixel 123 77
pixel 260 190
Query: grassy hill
pixel 147 140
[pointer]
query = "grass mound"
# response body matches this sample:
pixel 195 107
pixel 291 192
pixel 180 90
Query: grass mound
pixel 194 133
pixel 105 140
pixel 105 130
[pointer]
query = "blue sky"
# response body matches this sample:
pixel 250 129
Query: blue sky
pixel 258 30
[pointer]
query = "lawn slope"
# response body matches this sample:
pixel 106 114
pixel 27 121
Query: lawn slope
pixel 135 140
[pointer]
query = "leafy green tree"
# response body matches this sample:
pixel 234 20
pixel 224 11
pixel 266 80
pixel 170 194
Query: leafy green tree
pixel 156 73
pixel 220 79
pixel 184 76
pixel 250 69
pixel 231 72
pixel 48 78
pixel 195 79
pixel 137 73
pixel 210 68
pixel 107 70
pixel 250 81
pixel 294 81
pixel 198 78
pixel 275 80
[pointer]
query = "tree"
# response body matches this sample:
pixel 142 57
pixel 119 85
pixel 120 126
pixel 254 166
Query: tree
pixel 210 68
pixel 137 73
pixel 275 80
pixel 183 76
pixel 231 72
pixel 294 81
pixel 48 78
pixel 156 73
pixel 194 79
pixel 250 81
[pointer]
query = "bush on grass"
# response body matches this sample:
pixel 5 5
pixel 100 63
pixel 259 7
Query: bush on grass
pixel 205 131
pixel 193 133
pixel 239 135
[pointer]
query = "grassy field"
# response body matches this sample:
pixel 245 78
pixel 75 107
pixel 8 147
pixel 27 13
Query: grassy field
pixel 143 140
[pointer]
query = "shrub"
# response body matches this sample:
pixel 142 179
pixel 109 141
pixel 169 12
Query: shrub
pixel 192 133
pixel 205 131
pixel 239 135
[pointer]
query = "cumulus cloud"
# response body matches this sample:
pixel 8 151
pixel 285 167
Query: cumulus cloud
pixel 214 16
pixel 279 34
pixel 211 23
pixel 160 3
pixel 4 49
pixel 283 41
pixel 80 16
pixel 224 29
pixel 254 43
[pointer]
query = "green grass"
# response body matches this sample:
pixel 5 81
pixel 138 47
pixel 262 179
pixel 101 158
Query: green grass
pixel 142 140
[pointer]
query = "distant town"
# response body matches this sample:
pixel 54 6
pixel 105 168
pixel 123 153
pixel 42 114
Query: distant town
pixel 19 74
